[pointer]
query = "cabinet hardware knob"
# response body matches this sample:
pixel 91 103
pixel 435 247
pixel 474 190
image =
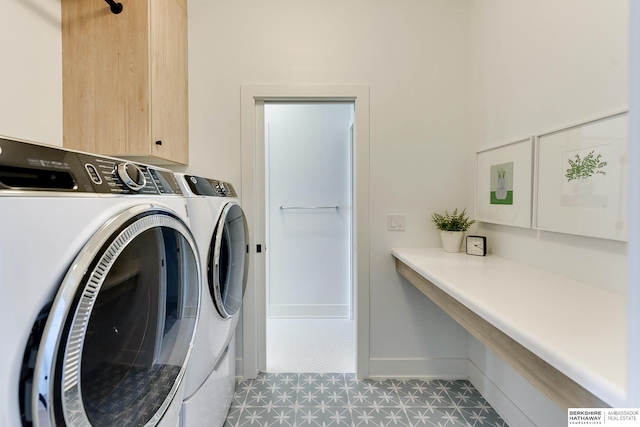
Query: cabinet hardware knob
pixel 158 142
pixel 116 8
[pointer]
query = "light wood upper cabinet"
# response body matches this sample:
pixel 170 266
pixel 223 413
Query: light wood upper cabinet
pixel 125 79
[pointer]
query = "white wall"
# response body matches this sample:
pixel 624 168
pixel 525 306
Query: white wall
pixel 31 71
pixel 537 66
pixel 413 55
pixel 308 156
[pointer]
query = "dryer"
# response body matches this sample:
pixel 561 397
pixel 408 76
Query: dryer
pixel 220 227
pixel 100 278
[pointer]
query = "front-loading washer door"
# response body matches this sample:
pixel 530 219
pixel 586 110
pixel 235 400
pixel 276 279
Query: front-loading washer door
pixel 119 333
pixel 228 260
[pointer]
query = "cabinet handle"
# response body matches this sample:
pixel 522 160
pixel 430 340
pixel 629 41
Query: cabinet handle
pixel 116 8
pixel 158 142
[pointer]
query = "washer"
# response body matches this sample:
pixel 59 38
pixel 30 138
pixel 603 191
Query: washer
pixel 101 281
pixel 220 227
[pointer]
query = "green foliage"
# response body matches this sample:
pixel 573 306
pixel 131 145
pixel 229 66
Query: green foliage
pixel 453 221
pixel 585 167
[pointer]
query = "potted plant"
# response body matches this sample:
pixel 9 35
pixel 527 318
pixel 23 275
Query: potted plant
pixel 452 227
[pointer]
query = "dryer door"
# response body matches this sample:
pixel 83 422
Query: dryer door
pixel 118 336
pixel 228 260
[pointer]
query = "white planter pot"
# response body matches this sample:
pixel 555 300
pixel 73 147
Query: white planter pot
pixel 583 187
pixel 501 191
pixel 451 240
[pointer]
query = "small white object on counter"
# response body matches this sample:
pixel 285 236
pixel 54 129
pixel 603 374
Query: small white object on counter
pixel 579 329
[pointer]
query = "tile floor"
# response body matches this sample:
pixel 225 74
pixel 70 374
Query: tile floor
pixel 340 400
pixel 311 345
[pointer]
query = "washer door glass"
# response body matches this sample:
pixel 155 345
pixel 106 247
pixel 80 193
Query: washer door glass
pixel 125 342
pixel 228 261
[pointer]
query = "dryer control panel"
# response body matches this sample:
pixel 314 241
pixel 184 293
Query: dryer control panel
pixel 32 167
pixel 201 186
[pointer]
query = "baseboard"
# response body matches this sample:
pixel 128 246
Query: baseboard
pixel 239 369
pixel 504 406
pixel 418 368
pixel 308 310
pixel 405 368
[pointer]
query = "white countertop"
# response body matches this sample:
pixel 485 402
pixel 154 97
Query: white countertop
pixel 579 329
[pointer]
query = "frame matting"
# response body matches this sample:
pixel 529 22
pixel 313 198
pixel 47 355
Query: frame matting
pixel 581 175
pixel 503 193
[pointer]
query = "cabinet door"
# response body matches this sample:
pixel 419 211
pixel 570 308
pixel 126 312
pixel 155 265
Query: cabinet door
pixel 169 81
pixel 105 62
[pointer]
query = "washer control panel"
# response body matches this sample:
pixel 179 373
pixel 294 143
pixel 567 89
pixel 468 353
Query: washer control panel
pixel 119 176
pixel 27 166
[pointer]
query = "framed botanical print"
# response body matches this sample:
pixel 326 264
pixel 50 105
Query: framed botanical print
pixel 581 175
pixel 503 193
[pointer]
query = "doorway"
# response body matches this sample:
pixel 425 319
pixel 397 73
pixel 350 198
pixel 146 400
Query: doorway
pixel 308 228
pixel 252 333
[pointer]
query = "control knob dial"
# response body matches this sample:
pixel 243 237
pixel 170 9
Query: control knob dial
pixel 131 175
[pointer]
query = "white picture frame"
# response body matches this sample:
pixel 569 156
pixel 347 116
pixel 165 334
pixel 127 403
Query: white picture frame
pixel 503 184
pixel 580 179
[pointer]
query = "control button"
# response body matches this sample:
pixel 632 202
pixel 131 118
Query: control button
pixel 93 173
pixel 223 188
pixel 193 179
pixel 220 188
pixel 131 175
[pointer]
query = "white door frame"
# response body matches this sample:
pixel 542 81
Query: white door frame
pixel 253 177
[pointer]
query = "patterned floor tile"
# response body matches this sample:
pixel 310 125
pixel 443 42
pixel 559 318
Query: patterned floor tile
pixel 481 417
pixel 239 397
pixel 341 400
pixel 372 392
pixel 380 417
pixel 411 392
pixel 257 417
pixel 233 417
pixel 325 389
pixel 323 417
pixel 279 389
pixel 429 417
pixel 284 417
